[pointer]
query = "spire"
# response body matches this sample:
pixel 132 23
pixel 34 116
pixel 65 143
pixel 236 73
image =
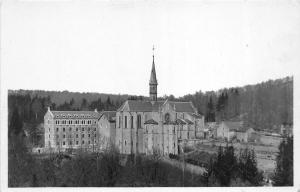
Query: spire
pixel 153 79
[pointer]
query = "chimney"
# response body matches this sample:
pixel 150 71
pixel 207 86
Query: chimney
pixel 96 110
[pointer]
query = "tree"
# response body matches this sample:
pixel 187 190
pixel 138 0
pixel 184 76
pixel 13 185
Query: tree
pixel 84 105
pixel 283 175
pixel 248 167
pixel 36 107
pixel 210 115
pixel 225 166
pixel 16 123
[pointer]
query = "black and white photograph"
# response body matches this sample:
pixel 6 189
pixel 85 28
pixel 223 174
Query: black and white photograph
pixel 140 93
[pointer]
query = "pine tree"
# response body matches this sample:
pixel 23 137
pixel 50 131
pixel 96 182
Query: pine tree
pixel 225 166
pixel 283 175
pixel 16 123
pixel 248 167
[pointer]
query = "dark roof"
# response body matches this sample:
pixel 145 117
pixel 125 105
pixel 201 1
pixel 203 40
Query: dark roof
pixel 110 115
pixel 182 106
pixel 75 114
pixel 151 121
pixel 143 106
pixel 147 106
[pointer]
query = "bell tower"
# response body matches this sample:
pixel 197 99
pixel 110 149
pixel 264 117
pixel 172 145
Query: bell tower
pixel 153 81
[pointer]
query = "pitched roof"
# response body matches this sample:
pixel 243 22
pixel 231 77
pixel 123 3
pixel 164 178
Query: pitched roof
pixel 148 106
pixel 182 106
pixel 151 121
pixel 142 106
pixel 75 114
pixel 110 115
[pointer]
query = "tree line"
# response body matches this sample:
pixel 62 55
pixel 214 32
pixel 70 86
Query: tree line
pixel 265 105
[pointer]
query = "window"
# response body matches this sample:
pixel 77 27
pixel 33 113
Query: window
pixel 95 135
pixel 89 135
pixel 82 135
pixel 49 136
pixel 76 129
pixel 57 129
pixel 82 142
pixel 139 121
pixel 64 143
pixel 125 142
pixel 125 121
pixel 76 135
pixel 76 142
pixel 82 129
pixel 89 129
pixel 70 129
pixel 131 122
pixel 70 143
pixel 49 129
pixel 167 117
pixel 89 142
pixel 119 121
pixel 64 136
pixel 64 129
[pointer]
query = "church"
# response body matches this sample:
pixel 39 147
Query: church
pixel 137 127
pixel 156 126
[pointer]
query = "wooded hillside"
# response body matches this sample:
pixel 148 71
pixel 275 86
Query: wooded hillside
pixel 263 106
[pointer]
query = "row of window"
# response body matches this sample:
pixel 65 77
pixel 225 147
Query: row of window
pixel 139 121
pixel 77 143
pixel 70 129
pixel 77 136
pixel 70 122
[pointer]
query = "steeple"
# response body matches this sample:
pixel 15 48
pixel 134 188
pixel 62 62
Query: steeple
pixel 153 81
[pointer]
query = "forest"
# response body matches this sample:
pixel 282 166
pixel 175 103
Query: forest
pixel 262 106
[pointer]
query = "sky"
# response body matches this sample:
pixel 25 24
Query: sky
pixel 106 46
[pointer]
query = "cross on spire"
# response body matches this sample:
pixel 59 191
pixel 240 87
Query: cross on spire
pixel 153 50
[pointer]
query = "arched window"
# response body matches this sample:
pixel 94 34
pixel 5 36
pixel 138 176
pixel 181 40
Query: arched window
pixel 167 117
